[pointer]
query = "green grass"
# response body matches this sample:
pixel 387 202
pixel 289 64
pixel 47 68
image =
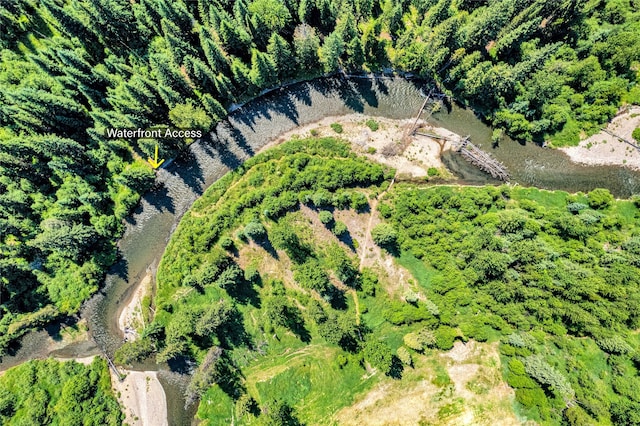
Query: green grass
pixel 627 211
pixel 418 269
pixel 549 199
pixel 309 379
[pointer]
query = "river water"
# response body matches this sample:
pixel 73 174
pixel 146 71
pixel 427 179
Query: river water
pixel 247 130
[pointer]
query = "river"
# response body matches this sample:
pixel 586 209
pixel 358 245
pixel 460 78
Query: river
pixel 248 129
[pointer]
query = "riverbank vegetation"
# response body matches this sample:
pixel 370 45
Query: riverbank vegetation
pixel 256 289
pixel 261 290
pixel 50 392
pixel 71 69
pixel 555 275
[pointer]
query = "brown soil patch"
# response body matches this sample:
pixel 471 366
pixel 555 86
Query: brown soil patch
pixel 477 395
pixel 421 154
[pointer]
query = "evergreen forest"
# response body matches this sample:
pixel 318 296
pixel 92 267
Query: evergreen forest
pixel 69 69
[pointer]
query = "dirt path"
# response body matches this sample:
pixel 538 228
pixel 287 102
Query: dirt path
pixel 365 244
pixel 367 234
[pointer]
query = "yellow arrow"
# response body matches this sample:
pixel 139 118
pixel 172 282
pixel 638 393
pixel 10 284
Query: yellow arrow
pixel 154 162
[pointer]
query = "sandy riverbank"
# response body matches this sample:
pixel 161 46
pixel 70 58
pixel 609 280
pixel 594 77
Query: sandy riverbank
pixel 131 317
pixel 421 153
pixel 604 149
pixel 141 397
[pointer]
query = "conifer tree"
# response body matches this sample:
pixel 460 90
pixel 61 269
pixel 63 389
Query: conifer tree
pixel 281 56
pixel 114 23
pixel 306 44
pixel 331 51
pixel 225 88
pixel 215 57
pixel 262 72
pixel 147 15
pixel 200 74
pixel 235 39
pixel 177 44
pixel 213 107
pixel 241 78
pixel 168 74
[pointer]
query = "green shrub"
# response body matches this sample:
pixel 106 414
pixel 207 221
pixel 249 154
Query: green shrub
pixel 531 397
pixel 614 345
pixel 516 367
pixel 404 356
pixel 445 336
pixel 337 127
pixel 600 198
pixel 372 124
pixel 255 231
pixel 379 355
pixel 371 150
pixel 342 360
pixel 520 382
pixel 576 207
pixel 432 171
pixel 133 351
pixel 339 228
pixel 636 134
pixel 227 243
pixel 384 235
pixel 314 132
pixel 359 201
pixel 325 217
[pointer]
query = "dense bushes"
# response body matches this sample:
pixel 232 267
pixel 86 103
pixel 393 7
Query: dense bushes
pixel 554 267
pixel 52 392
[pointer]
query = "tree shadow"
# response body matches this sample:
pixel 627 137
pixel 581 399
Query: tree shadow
pixel 295 323
pixel 230 377
pixel 397 368
pixel 160 198
pixel 367 93
pixel 54 329
pixel 232 332
pixel 245 293
pixel 302 93
pixel 336 297
pixel 350 96
pixel 226 156
pixel 181 364
pixel 268 247
pixel 120 269
pixel 287 107
pixel 188 170
pixel 346 239
pixel 393 249
pixel 240 140
pixel 364 209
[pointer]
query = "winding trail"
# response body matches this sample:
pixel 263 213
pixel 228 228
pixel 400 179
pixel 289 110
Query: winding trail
pixel 365 244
